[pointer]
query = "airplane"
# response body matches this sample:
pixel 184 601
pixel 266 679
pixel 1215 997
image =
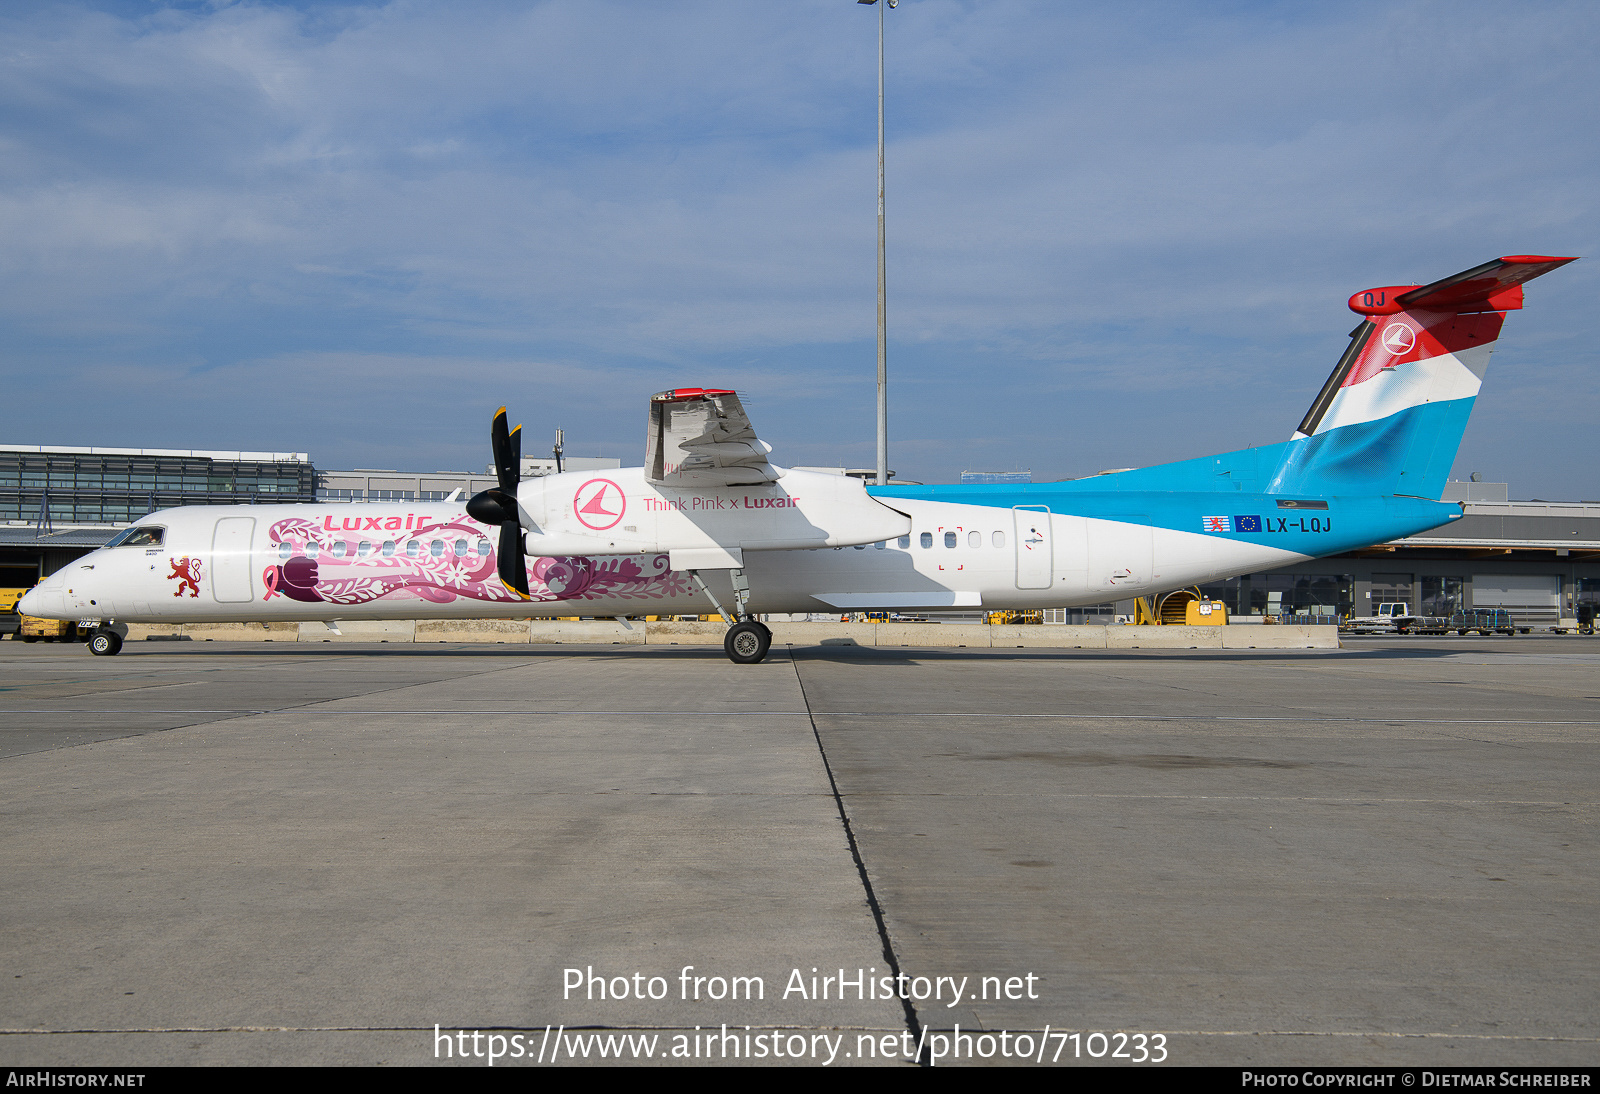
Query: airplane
pixel 709 514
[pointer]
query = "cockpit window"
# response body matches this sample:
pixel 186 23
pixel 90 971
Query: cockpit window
pixel 140 535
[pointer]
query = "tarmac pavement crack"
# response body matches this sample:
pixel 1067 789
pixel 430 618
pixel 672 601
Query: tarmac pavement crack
pixel 913 1022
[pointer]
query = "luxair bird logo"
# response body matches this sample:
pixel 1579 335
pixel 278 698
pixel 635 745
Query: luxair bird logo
pixel 1399 339
pixel 599 504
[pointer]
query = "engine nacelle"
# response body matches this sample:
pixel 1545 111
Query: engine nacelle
pixel 620 512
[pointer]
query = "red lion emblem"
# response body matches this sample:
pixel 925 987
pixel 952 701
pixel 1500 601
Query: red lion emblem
pixel 187 570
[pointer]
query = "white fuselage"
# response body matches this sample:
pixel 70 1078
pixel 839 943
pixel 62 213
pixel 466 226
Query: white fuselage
pixel 810 543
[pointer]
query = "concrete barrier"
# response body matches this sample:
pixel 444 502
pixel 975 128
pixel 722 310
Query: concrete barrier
pixel 605 632
pixel 1177 637
pixel 1280 638
pixel 682 634
pixel 361 630
pixel 932 634
pixel 240 632
pixel 494 631
pixel 161 632
pixel 830 633
pixel 1056 636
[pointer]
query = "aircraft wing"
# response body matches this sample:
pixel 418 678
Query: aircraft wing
pixel 702 437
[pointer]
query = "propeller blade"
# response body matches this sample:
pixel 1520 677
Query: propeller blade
pixel 506 463
pixel 500 506
pixel 513 559
pixel 516 460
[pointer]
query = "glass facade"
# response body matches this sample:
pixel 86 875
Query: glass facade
pixel 1325 595
pixel 325 493
pixel 92 488
pixel 1442 595
pixel 1391 589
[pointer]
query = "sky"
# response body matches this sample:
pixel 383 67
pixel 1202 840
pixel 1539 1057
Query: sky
pixel 1118 235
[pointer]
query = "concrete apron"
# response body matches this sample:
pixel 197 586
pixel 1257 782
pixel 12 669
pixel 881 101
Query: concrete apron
pixel 602 632
pixel 350 881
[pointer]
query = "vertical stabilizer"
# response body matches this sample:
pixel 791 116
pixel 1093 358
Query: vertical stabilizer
pixel 1392 414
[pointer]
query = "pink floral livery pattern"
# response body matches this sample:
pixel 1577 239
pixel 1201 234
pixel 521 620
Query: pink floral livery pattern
pixel 441 561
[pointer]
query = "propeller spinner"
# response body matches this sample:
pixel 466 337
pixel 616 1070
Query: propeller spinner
pixel 499 506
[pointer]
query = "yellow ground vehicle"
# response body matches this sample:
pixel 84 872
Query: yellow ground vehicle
pixel 1180 607
pixel 1013 618
pixel 9 624
pixel 51 630
pixel 30 629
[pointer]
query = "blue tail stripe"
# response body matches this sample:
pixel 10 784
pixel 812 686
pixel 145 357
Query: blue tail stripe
pixel 1357 469
pixel 1407 453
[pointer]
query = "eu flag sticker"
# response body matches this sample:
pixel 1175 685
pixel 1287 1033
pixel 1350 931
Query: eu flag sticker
pixel 1247 524
pixel 1216 524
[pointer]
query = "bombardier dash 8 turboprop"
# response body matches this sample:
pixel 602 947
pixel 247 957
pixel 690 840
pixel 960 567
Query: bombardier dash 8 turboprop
pixel 710 524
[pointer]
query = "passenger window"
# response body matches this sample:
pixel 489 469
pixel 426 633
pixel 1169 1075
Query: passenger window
pixel 413 548
pixel 340 549
pixel 388 548
pixel 483 548
pixel 364 548
pixel 999 539
pixel 436 548
pixel 904 543
pixel 461 548
pixel 285 549
pixel 974 539
pixel 949 539
pixel 927 539
pixel 312 548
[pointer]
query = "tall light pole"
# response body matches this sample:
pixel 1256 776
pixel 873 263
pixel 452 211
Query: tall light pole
pixel 883 336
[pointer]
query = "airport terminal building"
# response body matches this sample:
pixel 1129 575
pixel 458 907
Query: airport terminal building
pixel 1539 560
pixel 59 503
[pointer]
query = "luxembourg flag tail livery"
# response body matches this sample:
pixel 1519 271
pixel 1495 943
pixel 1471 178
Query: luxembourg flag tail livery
pixel 1389 419
pixel 1392 414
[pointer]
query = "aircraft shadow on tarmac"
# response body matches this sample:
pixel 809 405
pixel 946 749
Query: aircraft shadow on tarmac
pixel 828 651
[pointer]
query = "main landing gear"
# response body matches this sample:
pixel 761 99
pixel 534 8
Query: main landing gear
pixel 105 642
pixel 748 639
pixel 747 643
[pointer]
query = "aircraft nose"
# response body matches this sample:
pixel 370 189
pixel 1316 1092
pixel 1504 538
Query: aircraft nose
pixel 44 600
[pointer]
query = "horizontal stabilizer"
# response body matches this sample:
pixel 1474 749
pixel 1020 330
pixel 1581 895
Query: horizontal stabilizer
pixel 1494 286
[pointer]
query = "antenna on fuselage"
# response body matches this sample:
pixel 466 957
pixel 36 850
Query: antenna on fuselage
pixel 560 436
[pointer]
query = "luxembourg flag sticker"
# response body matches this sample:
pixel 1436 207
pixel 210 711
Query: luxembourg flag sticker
pixel 1217 524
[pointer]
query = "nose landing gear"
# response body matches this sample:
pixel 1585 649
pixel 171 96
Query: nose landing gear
pixel 105 642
